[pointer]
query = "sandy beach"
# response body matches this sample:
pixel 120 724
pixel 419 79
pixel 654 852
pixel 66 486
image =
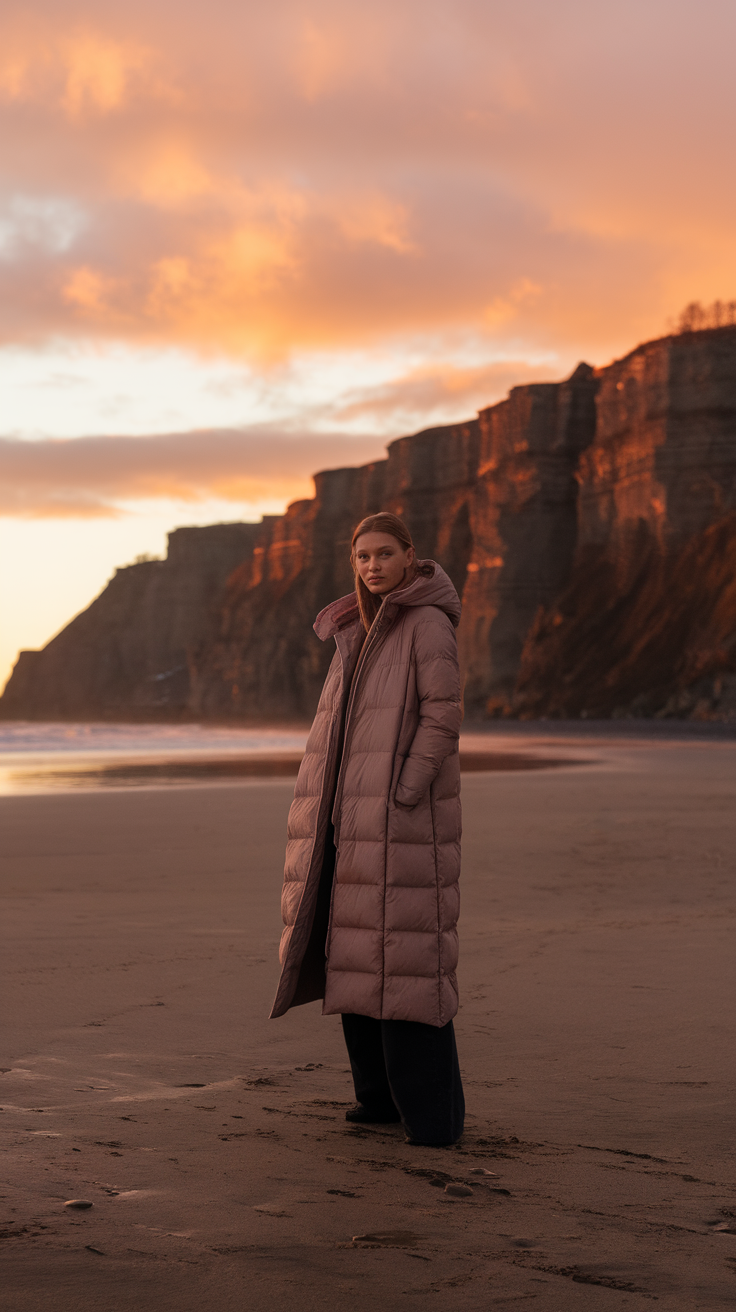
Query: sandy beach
pixel 596 1038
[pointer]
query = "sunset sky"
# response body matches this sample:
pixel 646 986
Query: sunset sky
pixel 240 242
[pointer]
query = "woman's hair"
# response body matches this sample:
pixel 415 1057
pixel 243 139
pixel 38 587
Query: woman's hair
pixel 383 522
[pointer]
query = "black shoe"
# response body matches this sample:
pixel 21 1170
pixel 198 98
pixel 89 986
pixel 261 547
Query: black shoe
pixel 361 1115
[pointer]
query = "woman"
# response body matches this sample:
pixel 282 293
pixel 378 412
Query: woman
pixel 371 899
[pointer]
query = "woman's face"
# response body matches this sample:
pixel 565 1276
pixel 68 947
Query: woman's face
pixel 381 561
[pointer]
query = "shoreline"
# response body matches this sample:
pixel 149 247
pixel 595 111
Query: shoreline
pixel 48 764
pixel 623 725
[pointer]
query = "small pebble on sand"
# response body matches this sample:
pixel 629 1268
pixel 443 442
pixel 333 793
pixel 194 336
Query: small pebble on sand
pixel 481 1170
pixel 81 1203
pixel 458 1191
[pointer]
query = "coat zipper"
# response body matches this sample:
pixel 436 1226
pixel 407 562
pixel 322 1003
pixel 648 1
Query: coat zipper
pixel 369 646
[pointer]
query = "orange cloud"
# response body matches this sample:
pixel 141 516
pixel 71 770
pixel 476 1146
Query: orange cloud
pixel 90 292
pixel 85 71
pixel 323 174
pixel 167 175
pixel 99 72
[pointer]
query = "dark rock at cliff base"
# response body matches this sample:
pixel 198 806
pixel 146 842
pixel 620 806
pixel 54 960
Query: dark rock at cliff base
pixel 655 637
pixel 588 526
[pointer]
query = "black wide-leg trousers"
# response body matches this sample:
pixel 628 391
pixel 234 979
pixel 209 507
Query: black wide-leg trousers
pixel 405 1070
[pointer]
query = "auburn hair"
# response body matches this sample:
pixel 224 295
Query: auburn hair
pixel 384 522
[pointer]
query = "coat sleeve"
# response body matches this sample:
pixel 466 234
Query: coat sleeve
pixel 440 714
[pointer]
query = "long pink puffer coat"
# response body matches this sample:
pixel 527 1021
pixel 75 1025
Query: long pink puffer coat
pixel 392 940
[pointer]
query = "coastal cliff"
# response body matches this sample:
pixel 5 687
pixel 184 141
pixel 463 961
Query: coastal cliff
pixel 589 527
pixel 647 622
pixel 493 500
pixel 127 655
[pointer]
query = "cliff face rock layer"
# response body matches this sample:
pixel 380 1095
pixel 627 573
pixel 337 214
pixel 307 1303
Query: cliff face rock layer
pixel 647 622
pixel 589 527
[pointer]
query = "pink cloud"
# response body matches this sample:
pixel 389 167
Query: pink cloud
pixel 89 477
pixel 438 393
pixel 265 180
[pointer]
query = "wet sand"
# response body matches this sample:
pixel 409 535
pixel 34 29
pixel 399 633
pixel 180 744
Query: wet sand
pixel 596 1037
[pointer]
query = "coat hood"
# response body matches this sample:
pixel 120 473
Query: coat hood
pixel 430 586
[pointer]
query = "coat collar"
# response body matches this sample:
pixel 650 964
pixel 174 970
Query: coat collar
pixel 430 586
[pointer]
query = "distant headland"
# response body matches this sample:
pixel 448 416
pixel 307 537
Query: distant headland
pixel 588 525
